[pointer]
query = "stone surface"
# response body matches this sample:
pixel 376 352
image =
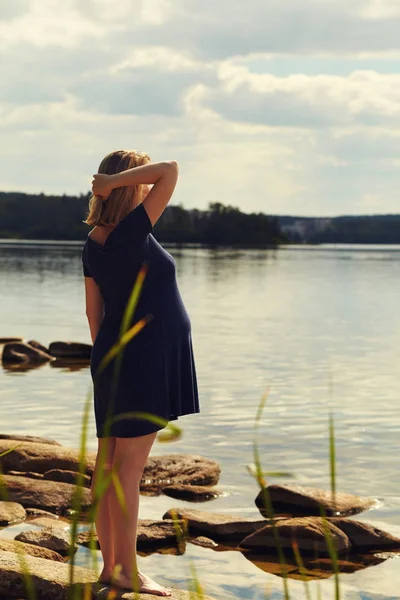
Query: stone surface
pixel 53 496
pixel 150 535
pixel 53 538
pixel 204 542
pixel 50 522
pixel 217 526
pixel 70 349
pixel 365 537
pixel 28 438
pixel 38 512
pixel 159 472
pixel 16 546
pixel 51 581
pixel 171 469
pixel 23 352
pixel 192 493
pixel 296 500
pixel 66 476
pixel 307 532
pixel 11 512
pixel 40 457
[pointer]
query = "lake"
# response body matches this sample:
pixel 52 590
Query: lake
pixel 318 326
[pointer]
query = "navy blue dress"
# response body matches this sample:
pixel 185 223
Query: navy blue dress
pixel 157 371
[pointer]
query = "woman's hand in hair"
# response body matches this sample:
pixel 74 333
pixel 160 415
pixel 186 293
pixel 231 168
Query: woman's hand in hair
pixel 102 185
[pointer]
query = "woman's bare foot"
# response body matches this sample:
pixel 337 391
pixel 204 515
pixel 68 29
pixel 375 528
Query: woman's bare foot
pixel 145 584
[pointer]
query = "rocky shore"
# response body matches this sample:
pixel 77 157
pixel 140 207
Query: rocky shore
pixel 37 487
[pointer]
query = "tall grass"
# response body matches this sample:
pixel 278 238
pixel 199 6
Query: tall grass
pixel 107 477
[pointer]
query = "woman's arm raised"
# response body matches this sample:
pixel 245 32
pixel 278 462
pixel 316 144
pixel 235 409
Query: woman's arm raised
pixel 163 175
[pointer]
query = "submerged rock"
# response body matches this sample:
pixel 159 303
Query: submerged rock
pixel 296 500
pixel 217 526
pixel 11 512
pixel 313 568
pixel 53 496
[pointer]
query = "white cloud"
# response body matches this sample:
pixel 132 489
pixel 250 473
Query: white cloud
pixel 177 78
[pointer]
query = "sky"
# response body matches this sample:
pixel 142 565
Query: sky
pixel 273 106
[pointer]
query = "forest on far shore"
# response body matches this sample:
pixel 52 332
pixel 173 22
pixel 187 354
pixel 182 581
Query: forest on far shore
pixel 43 217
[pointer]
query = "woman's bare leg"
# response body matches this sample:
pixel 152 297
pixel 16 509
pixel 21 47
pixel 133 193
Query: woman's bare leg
pixel 105 451
pixel 130 457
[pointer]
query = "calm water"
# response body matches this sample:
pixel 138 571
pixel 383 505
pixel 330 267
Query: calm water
pixel 318 326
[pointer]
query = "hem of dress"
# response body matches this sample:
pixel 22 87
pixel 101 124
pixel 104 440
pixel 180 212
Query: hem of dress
pixel 172 418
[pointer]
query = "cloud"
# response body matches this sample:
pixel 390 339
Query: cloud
pixel 234 92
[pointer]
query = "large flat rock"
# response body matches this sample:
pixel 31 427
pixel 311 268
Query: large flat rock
pixel 217 526
pixel 42 457
pixel 54 496
pixel 51 581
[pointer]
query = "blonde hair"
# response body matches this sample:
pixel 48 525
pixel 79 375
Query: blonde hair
pixel 122 200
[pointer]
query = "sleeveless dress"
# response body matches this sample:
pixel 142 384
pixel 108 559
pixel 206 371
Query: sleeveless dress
pixel 157 371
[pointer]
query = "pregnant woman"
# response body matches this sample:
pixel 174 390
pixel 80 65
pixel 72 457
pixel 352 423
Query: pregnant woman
pixel 157 371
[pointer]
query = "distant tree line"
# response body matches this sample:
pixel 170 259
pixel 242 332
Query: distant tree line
pixel 29 216
pixel 376 229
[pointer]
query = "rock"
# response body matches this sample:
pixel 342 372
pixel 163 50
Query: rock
pixel 51 579
pixel 66 476
pixel 53 538
pixel 50 522
pixel 38 512
pixel 53 496
pixel 15 546
pixel 365 537
pixel 308 532
pixel 11 512
pixel 150 534
pixel 23 352
pixel 52 582
pixel 70 350
pixel 28 438
pixel 296 500
pixel 30 474
pixel 217 526
pixel 191 493
pixel 38 346
pixel 172 469
pixel 39 457
pixel 204 542
pixel 159 471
